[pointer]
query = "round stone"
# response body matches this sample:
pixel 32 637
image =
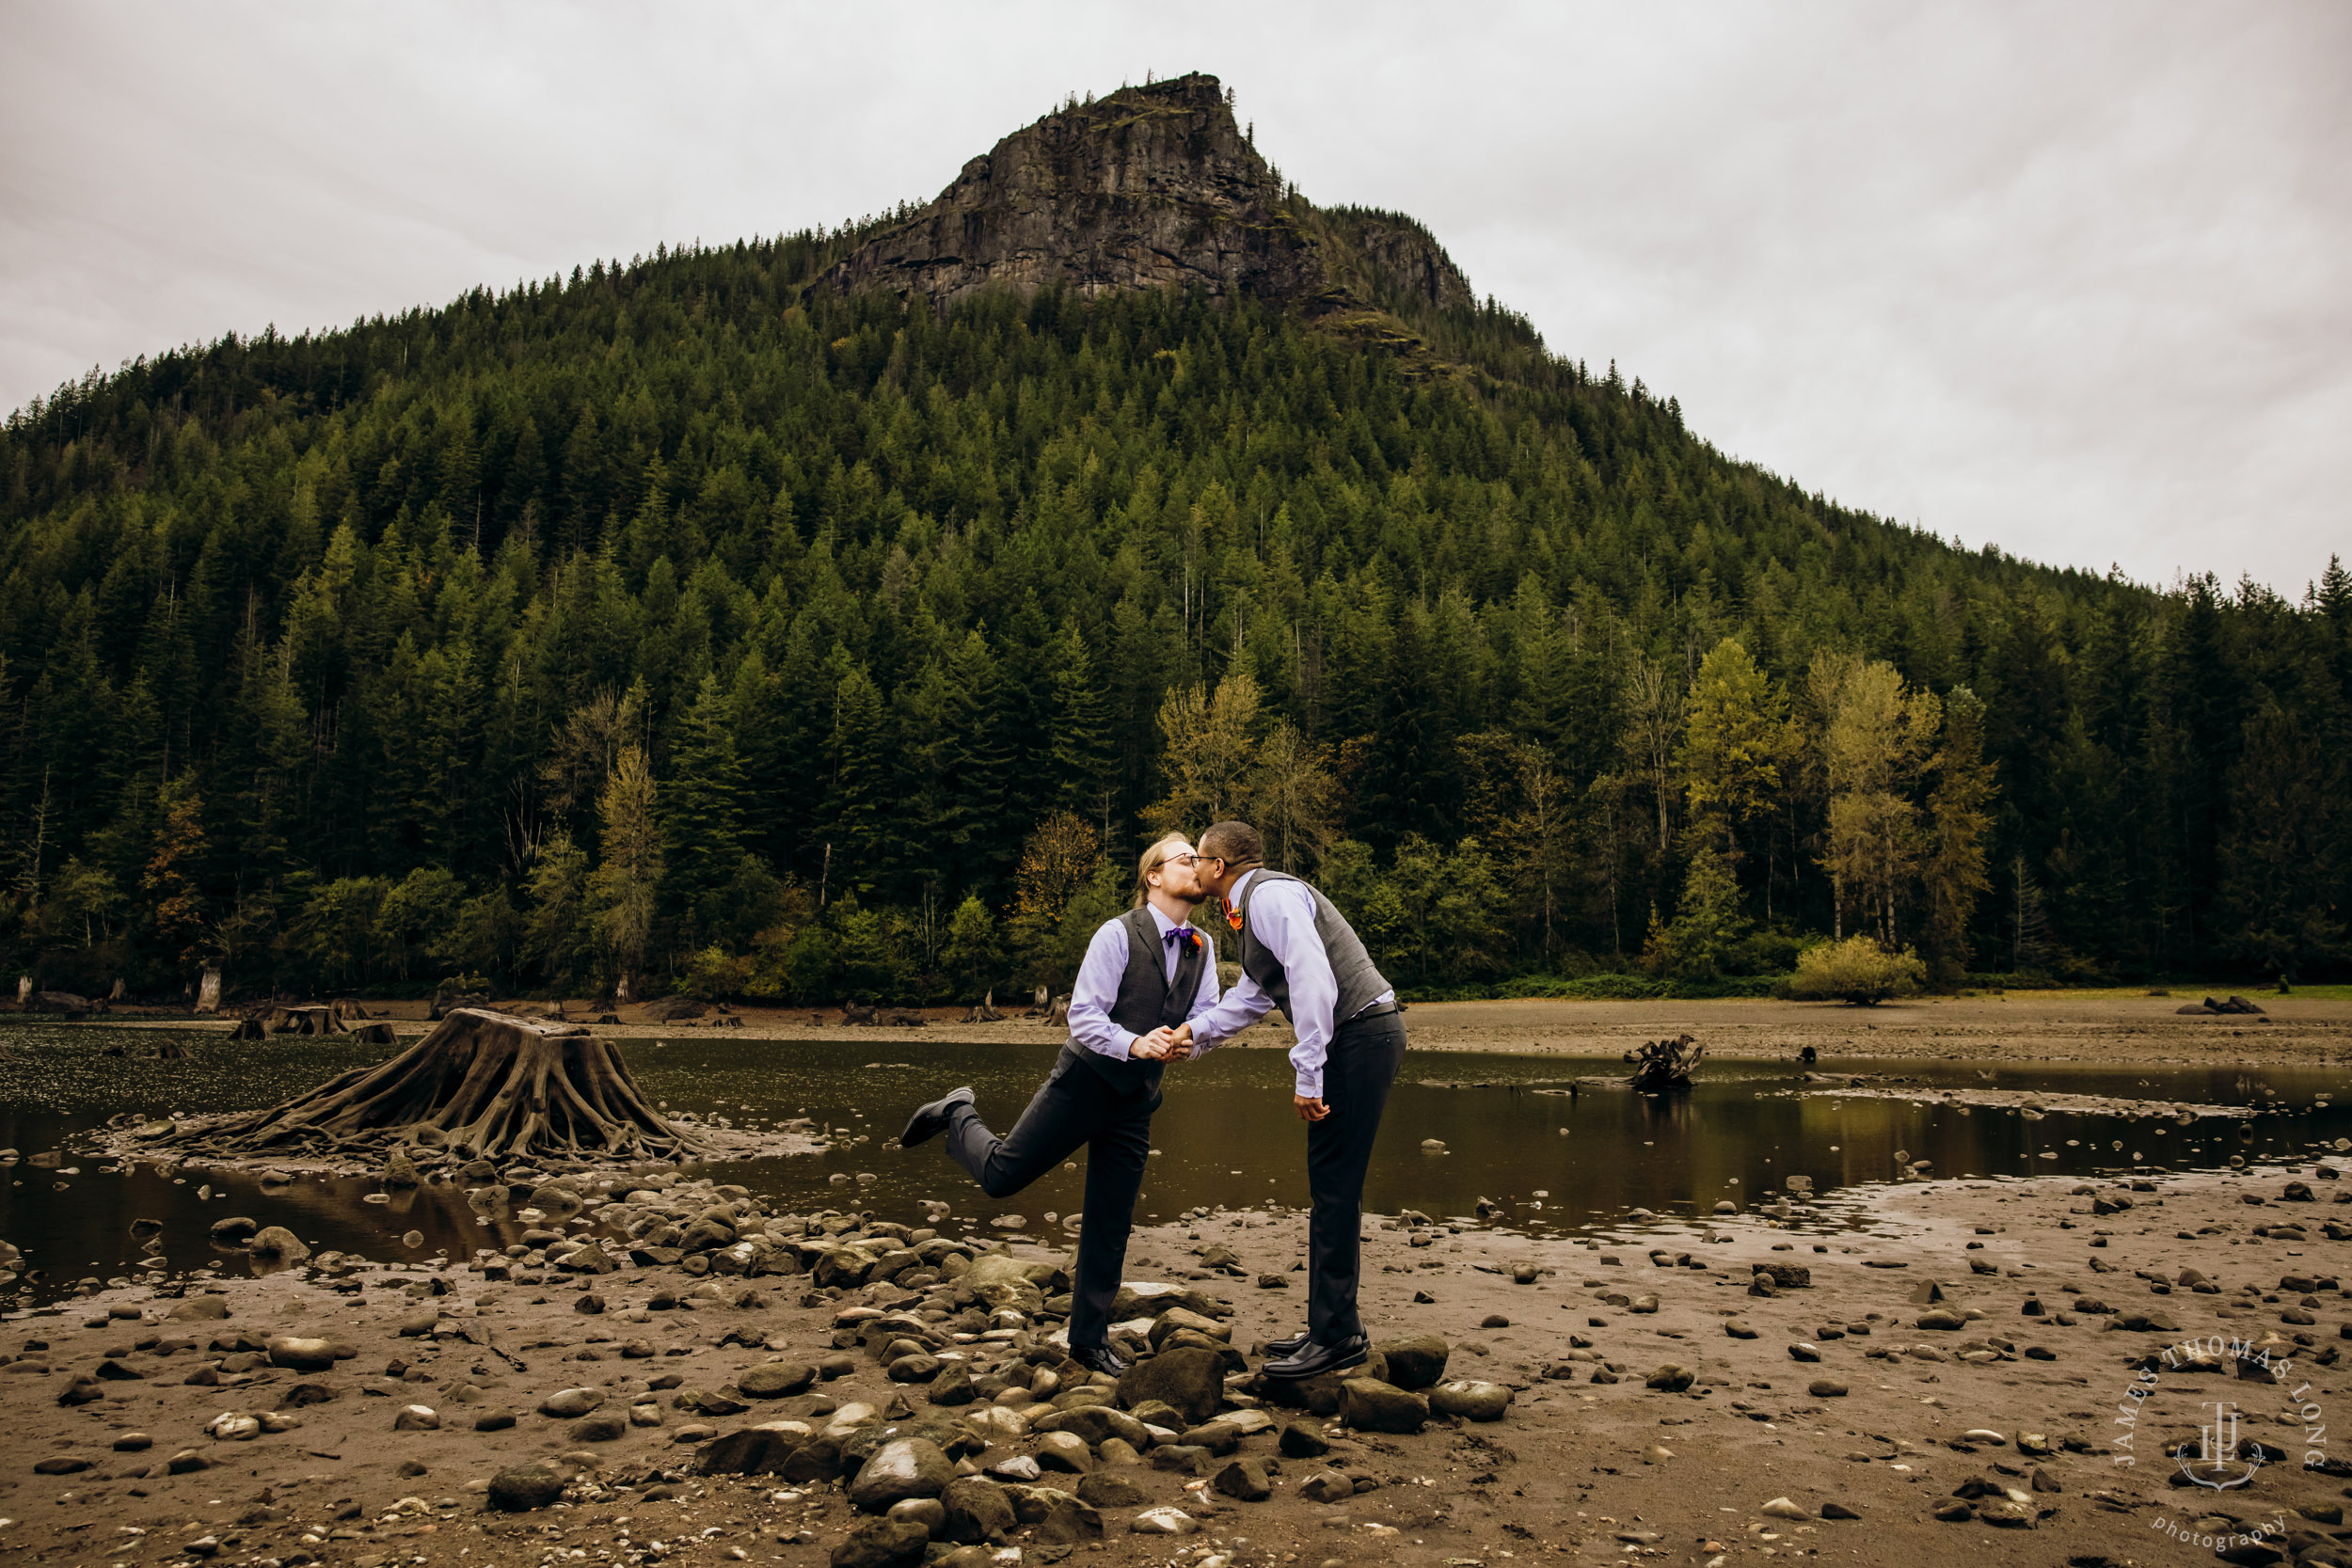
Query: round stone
pixel 521 1487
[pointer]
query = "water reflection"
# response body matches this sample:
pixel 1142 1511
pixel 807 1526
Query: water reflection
pixel 1542 1158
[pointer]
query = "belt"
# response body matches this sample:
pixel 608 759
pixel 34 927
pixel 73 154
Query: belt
pixel 1376 1009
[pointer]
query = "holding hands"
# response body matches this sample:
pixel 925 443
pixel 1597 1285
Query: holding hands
pixel 1162 1045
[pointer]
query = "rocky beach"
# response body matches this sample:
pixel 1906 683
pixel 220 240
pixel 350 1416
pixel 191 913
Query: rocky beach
pixel 1990 1370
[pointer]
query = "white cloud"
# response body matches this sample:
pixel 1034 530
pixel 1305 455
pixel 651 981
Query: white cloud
pixel 2070 279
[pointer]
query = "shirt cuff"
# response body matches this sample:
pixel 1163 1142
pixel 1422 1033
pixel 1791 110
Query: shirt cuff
pixel 1124 1041
pixel 1309 1086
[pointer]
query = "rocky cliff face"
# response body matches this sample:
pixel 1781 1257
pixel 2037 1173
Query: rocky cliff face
pixel 1151 187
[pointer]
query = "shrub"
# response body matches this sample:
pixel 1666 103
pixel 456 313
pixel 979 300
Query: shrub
pixel 1858 970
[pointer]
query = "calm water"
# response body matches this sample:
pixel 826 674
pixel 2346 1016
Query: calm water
pixel 1228 1137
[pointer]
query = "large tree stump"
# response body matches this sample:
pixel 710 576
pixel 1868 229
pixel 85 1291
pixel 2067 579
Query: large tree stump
pixel 482 1084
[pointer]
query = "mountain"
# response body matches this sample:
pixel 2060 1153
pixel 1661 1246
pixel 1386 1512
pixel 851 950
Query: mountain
pixel 834 613
pixel 1152 187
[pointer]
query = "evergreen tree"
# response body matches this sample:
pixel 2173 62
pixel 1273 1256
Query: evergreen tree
pixel 702 813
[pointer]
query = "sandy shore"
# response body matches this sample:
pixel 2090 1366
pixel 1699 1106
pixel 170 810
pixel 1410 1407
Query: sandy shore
pixel 2043 1027
pixel 2056 1303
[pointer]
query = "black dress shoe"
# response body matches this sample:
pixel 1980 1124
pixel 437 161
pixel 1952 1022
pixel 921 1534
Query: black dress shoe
pixel 929 1122
pixel 1099 1358
pixel 1313 1360
pixel 1290 1346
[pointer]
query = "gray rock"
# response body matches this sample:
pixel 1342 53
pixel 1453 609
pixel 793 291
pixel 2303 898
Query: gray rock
pixel 907 1468
pixel 1673 1377
pixel 701 1401
pixel 606 1426
pixel 1946 1320
pixel 301 1354
pixel 1415 1361
pixel 276 1241
pixel 520 1488
pixel 1096 1423
pixel 977 1511
pixel 569 1404
pixel 1244 1479
pixel 1826 1388
pixel 1103 1489
pixel 1370 1405
pixel 1190 1378
pixel 881 1543
pixel 1220 1438
pixel 234 1230
pixel 776 1380
pixel 1300 1441
pixel 952 1386
pixel 1327 1488
pixel 926 1512
pixel 1470 1400
pixel 1066 1451
pixel 1738 1328
pixel 752 1452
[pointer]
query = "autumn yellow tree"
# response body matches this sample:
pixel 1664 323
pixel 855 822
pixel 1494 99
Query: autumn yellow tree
pixel 626 890
pixel 1876 742
pixel 1960 820
pixel 1735 740
pixel 1210 753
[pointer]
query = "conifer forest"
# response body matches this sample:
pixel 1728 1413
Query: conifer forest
pixel 678 625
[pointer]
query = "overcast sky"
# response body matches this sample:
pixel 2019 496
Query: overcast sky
pixel 2070 278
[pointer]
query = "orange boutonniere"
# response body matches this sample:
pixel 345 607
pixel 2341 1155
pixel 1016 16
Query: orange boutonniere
pixel 1232 918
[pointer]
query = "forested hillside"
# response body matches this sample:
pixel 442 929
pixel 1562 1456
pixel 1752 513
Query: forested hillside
pixel 682 621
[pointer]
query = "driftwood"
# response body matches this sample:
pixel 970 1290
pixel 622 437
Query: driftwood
pixel 984 1010
pixel 483 1084
pixel 853 1014
pixel 1664 1067
pixel 1057 1015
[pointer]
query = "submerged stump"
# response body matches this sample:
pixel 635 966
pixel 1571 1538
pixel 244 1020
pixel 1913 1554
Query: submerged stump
pixel 1664 1067
pixel 484 1084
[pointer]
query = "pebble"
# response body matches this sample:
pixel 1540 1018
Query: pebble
pixel 1166 1521
pixel 570 1403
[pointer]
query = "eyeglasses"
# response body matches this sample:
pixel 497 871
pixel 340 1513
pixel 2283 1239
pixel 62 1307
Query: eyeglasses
pixel 1182 860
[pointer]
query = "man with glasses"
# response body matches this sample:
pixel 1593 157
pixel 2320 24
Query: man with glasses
pixel 1145 974
pixel 1299 953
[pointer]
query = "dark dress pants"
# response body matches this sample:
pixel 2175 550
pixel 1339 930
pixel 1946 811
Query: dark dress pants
pixel 1364 1061
pixel 1077 1106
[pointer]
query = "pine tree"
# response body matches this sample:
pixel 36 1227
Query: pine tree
pixel 701 813
pixel 623 893
pixel 1959 824
pixel 1081 758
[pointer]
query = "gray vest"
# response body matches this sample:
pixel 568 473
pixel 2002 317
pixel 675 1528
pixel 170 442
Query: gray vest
pixel 1351 966
pixel 1147 998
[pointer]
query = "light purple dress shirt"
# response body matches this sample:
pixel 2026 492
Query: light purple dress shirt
pixel 1282 918
pixel 1097 985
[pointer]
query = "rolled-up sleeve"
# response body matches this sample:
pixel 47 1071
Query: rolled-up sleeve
pixel 1096 988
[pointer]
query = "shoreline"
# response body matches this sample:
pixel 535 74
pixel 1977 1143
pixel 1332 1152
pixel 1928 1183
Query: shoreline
pixel 2291 1032
pixel 1979 1388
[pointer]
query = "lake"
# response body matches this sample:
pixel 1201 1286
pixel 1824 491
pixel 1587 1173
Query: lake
pixel 1550 1162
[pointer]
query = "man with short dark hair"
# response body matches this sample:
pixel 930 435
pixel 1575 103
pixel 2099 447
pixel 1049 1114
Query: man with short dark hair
pixel 1144 973
pixel 1299 953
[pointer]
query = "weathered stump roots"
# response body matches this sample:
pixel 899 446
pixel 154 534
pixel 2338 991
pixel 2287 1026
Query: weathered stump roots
pixel 483 1084
pixel 1664 1067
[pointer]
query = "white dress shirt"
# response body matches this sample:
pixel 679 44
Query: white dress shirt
pixel 1097 985
pixel 1282 918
